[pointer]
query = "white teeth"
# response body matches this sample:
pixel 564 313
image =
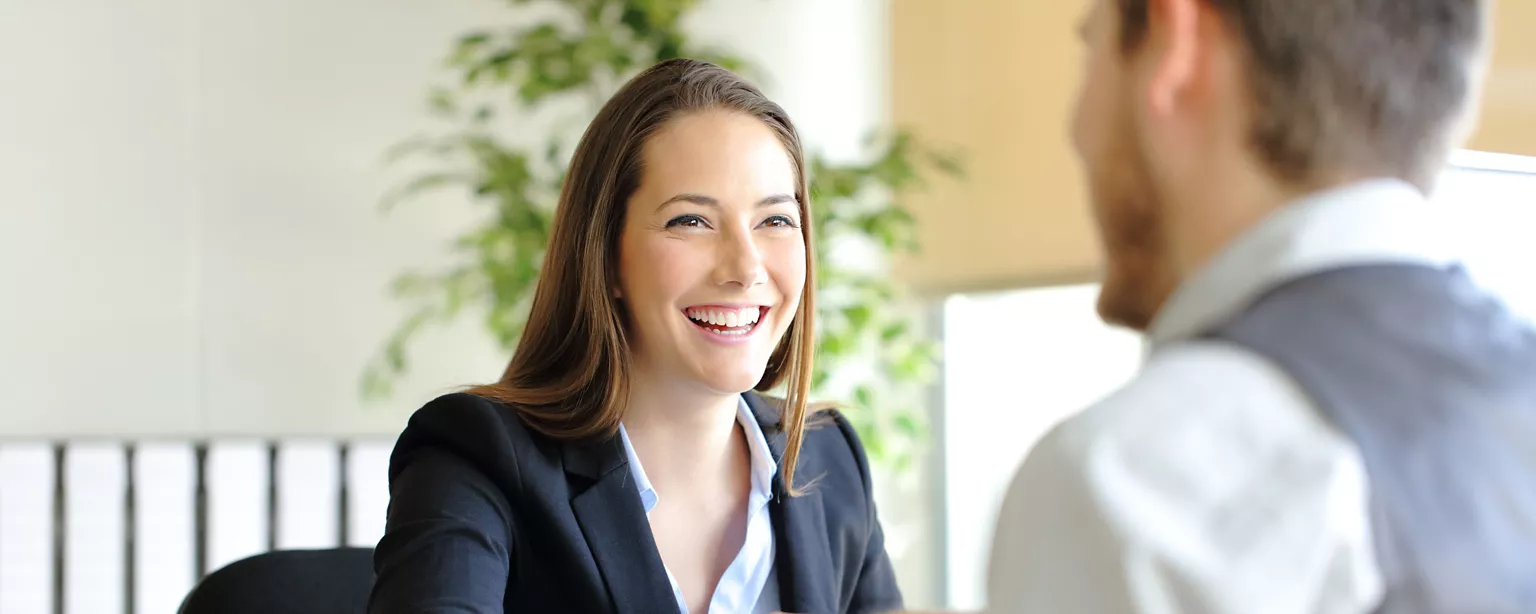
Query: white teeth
pixel 727 318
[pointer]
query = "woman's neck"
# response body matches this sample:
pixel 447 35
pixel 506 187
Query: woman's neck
pixel 686 441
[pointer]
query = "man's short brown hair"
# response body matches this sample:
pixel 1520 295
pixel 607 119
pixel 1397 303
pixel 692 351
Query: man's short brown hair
pixel 1344 87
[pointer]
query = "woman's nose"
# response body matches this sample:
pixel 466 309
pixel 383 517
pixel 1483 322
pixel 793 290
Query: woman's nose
pixel 740 261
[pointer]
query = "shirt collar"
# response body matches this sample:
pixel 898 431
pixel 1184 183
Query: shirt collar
pixel 763 465
pixel 1378 221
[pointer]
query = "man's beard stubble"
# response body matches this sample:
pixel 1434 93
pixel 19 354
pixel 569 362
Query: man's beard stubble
pixel 1137 279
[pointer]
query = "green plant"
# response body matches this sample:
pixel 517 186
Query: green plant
pixel 572 61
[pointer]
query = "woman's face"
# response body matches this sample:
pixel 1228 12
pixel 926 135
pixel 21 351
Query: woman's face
pixel 711 257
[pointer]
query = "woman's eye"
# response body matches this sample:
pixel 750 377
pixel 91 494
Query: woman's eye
pixel 687 221
pixel 780 221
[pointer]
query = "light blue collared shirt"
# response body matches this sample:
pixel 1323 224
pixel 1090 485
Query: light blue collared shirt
pixel 749 583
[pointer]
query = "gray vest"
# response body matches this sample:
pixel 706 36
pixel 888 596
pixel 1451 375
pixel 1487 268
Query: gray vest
pixel 1435 381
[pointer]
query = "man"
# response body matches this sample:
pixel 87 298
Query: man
pixel 1331 417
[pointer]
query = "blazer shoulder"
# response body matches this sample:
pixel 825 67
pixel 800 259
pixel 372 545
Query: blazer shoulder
pixel 835 451
pixel 486 433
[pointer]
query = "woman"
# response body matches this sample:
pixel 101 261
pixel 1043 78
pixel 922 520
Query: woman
pixel 624 462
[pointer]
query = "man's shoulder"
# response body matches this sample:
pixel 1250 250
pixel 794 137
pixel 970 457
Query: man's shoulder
pixel 1211 462
pixel 1197 407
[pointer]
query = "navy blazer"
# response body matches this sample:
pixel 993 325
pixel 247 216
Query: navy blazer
pixel 488 516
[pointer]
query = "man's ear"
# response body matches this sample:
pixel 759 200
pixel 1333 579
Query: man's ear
pixel 1176 40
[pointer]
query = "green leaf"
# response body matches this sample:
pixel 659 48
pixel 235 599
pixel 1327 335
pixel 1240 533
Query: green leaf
pixel 406 148
pixel 864 397
pixel 670 46
pixel 819 379
pixel 875 446
pixel 907 424
pixel 481 64
pixel 410 285
pixel 376 383
pixel 634 17
pixel 912 365
pixel 858 315
pixel 419 185
pixel 473 39
pixel 833 347
pixel 467 47
pixel 442 101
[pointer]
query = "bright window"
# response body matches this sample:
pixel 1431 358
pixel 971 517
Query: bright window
pixel 1016 363
pixel 1489 203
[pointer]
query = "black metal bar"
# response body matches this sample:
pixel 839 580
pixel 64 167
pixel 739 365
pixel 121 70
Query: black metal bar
pixel 272 495
pixel 343 502
pixel 200 512
pixel 60 528
pixel 130 527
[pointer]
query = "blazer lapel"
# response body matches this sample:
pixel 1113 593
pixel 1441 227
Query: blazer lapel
pixel 803 556
pixel 613 521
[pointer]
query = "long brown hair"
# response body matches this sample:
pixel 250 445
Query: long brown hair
pixel 569 376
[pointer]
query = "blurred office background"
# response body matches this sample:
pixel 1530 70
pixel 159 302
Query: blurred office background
pixel 194 268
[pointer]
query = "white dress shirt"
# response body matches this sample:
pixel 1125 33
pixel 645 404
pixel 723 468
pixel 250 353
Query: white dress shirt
pixel 1211 483
pixel 749 583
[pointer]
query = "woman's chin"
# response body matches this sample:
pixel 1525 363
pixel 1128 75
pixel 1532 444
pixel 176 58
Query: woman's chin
pixel 731 381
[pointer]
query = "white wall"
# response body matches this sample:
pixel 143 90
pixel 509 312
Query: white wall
pixel 189 241
pixel 826 62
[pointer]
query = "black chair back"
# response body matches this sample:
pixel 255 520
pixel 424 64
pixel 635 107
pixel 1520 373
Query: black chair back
pixel 333 581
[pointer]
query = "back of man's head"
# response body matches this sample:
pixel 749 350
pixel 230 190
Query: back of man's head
pixel 1353 87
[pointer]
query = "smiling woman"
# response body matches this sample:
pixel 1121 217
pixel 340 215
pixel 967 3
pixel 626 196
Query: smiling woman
pixel 626 460
pixel 725 247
